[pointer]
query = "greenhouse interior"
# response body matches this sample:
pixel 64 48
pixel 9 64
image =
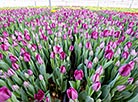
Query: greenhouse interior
pixel 68 50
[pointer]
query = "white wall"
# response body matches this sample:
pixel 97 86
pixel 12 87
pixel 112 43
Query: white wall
pixel 101 3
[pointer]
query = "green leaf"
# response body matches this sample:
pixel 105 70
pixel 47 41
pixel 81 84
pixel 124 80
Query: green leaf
pixel 105 91
pixel 24 95
pixel 89 99
pixel 135 99
pixel 107 64
pixel 2 83
pixel 82 96
pixel 4 65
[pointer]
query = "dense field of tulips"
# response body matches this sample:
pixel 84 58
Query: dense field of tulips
pixel 68 55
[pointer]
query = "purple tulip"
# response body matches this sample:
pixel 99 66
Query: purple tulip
pixel 129 31
pixel 5 34
pixel 121 87
pixel 30 72
pixel 1 56
pixel 72 93
pixel 99 70
pixel 39 96
pixel 25 84
pixel 62 55
pixel 71 47
pixel 125 70
pixel 94 35
pixel 10 72
pixel 52 55
pixel 15 66
pixel 33 47
pixel 41 77
pixel 125 54
pixel 4 47
pixel 89 64
pixel 78 74
pixel 57 49
pixel 130 80
pixel 129 44
pixel 117 34
pixel 27 57
pixel 132 64
pixel 47 99
pixel 96 86
pixel 39 59
pixel 109 54
pixel 88 45
pixel 13 59
pixel 19 38
pixel 5 94
pixel 62 69
pixel 96 77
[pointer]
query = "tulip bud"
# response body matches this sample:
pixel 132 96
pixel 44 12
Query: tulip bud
pixel 72 93
pixel 10 72
pixel 47 99
pixel 52 55
pixel 89 64
pixel 109 54
pixel 125 70
pixel 26 75
pixel 133 52
pixel 125 55
pixel 62 55
pixel 41 77
pixel 117 63
pixel 99 70
pixel 96 86
pixel 130 80
pixel 13 59
pixel 95 60
pixel 15 87
pixel 96 77
pixel 88 46
pixel 39 59
pixel 27 57
pixel 5 94
pixel 15 66
pixel 91 53
pixel 29 71
pixel 62 69
pixel 102 45
pixel 1 56
pixel 121 87
pixel 78 74
pixel 26 84
pixel 71 47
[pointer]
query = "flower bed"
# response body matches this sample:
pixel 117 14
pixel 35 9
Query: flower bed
pixel 68 55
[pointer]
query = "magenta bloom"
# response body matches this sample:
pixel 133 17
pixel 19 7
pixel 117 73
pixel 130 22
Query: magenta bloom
pixel 88 46
pixel 30 72
pixel 71 47
pixel 1 56
pixel 125 70
pixel 125 54
pixel 4 47
pixel 96 77
pixel 62 69
pixel 13 59
pixel 15 66
pixel 130 80
pixel 52 55
pixel 5 34
pixel 99 70
pixel 39 59
pixel 72 93
pixel 39 96
pixel 10 72
pixel 129 44
pixel 62 55
pixel 57 49
pixel 27 57
pixel 47 99
pixel 94 35
pixel 121 87
pixel 5 94
pixel 27 37
pixel 109 54
pixel 96 86
pixel 89 64
pixel 78 74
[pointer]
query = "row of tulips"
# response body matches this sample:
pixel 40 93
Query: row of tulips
pixel 68 55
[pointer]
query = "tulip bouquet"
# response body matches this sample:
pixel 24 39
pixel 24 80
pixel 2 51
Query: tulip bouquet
pixel 68 55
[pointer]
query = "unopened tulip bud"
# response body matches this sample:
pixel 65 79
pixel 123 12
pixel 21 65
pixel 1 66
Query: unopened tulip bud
pixel 130 80
pixel 96 86
pixel 26 84
pixel 96 77
pixel 89 64
pixel 133 52
pixel 95 60
pixel 41 77
pixel 15 87
pixel 26 75
pixel 121 87
pixel 30 72
pixel 117 63
pixel 99 70
pixel 91 53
